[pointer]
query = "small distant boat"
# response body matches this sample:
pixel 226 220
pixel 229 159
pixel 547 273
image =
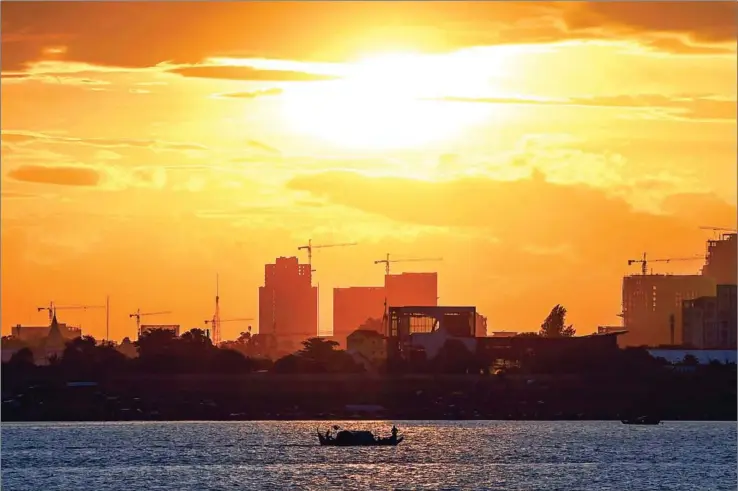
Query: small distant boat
pixel 641 420
pixel 347 438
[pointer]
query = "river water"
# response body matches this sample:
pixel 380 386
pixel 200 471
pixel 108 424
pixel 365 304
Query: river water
pixel 504 455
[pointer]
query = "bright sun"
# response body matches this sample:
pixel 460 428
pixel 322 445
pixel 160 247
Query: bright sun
pixel 388 102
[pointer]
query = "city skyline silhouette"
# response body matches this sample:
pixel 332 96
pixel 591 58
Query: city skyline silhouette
pixel 535 147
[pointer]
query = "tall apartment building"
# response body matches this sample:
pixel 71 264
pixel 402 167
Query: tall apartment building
pixel 288 303
pixel 650 301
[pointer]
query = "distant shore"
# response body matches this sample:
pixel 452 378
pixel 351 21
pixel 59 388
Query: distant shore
pixel 256 397
pixel 344 419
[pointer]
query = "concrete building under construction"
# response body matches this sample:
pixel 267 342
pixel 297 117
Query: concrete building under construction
pixel 721 261
pixel 288 303
pixel 418 289
pixel 652 306
pixel 353 306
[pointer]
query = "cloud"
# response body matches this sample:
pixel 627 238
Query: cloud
pixel 94 32
pixel 248 73
pixel 691 106
pixel 60 175
pixel 25 137
pixel 55 79
pixel 17 195
pixel 249 95
pixel 701 21
pixel 529 211
pixel 263 147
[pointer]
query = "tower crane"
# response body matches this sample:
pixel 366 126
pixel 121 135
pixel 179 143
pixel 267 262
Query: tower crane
pixel 309 248
pixel 53 308
pixel 138 314
pixel 387 261
pixel 644 262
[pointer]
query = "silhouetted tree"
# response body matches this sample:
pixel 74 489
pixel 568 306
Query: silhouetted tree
pixel 79 352
pixel 13 343
pixel 317 349
pixel 22 359
pixel 155 342
pixel 288 364
pixel 318 355
pixel 127 348
pixel 196 337
pixel 230 361
pixel 84 356
pixel 555 324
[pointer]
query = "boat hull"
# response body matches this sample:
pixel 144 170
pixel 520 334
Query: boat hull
pixel 381 442
pixel 640 421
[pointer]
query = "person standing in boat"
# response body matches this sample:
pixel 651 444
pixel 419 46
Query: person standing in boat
pixel 394 432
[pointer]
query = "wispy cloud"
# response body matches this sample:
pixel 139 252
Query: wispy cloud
pixel 692 106
pixel 249 94
pixel 26 137
pixel 249 73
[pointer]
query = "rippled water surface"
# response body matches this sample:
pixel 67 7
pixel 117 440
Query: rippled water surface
pixel 435 455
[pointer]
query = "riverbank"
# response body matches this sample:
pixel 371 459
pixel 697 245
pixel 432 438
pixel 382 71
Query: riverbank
pixel 361 397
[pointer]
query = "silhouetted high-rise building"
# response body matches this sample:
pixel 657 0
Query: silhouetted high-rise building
pixel 721 262
pixel 288 303
pixel 411 289
pixel 650 301
pixel 353 306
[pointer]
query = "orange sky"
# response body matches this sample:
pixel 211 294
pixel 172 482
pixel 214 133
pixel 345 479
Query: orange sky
pixel 534 146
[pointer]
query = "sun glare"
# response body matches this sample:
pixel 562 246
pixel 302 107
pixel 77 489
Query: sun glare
pixel 388 102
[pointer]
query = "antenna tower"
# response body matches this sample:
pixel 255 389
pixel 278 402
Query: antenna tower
pixel 216 316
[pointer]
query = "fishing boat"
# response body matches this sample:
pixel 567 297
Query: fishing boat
pixel 641 420
pixel 349 438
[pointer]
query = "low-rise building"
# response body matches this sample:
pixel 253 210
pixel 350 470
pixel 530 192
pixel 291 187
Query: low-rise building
pixel 33 334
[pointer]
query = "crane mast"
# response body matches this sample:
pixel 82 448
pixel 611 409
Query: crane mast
pixel 309 248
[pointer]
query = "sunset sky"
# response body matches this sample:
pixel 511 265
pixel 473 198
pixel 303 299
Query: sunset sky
pixel 536 147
